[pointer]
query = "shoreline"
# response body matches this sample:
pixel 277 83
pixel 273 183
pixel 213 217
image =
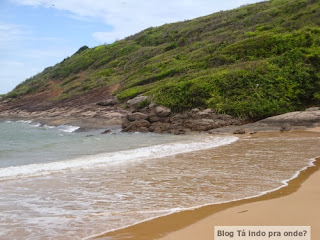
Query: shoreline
pixel 299 207
pixel 171 225
pixel 159 227
pixel 162 226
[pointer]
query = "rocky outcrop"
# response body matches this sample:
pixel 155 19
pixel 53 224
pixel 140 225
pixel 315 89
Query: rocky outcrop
pixel 310 117
pixel 311 109
pixel 135 126
pixel 89 116
pixel 160 119
pixel 137 116
pixel 162 111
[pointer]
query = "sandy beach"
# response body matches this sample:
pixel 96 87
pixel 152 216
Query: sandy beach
pixel 293 205
pixel 301 208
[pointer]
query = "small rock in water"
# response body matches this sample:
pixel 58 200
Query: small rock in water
pixel 106 131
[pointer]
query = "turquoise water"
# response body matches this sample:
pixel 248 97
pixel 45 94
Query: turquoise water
pixel 26 142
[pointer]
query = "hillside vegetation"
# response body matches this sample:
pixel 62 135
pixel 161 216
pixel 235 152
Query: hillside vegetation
pixel 254 61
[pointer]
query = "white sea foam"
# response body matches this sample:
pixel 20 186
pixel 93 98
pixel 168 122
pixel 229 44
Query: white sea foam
pixel 25 121
pixel 64 128
pixel 35 124
pixel 67 128
pixel 113 158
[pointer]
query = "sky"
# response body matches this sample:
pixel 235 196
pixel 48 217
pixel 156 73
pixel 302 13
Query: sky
pixel 35 34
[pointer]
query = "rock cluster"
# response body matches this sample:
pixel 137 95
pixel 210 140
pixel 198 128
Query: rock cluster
pixel 160 119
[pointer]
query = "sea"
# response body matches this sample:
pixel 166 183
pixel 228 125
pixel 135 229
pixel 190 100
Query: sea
pixel 57 182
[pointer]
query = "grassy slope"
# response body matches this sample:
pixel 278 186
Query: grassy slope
pixel 258 60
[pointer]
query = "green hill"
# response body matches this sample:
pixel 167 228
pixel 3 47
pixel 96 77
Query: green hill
pixel 255 61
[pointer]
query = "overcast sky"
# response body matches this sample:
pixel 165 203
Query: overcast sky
pixel 35 34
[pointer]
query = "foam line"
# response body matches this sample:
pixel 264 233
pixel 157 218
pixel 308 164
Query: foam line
pixel 114 158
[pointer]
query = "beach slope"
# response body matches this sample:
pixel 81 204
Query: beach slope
pixel 301 208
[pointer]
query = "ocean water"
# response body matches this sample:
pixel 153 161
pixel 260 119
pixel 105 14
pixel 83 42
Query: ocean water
pixel 56 183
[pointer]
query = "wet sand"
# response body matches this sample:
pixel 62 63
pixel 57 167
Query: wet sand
pixel 296 204
pixel 301 208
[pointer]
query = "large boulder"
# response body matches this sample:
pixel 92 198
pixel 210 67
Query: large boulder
pixel 136 101
pixel 163 111
pixel 159 127
pixel 137 126
pixel 136 116
pixel 199 124
pixel 305 118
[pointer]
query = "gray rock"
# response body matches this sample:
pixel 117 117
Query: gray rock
pixel 136 126
pixel 163 111
pixel 143 130
pixel 305 118
pixel 136 116
pixel 208 111
pixel 199 124
pixel 159 127
pixel 152 105
pixel 225 117
pixel 125 123
pixel 312 109
pixel 177 117
pixel 106 131
pixel 285 128
pixel 135 101
pixel 179 132
pixel 239 131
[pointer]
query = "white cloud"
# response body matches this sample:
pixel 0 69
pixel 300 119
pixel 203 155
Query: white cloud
pixel 131 16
